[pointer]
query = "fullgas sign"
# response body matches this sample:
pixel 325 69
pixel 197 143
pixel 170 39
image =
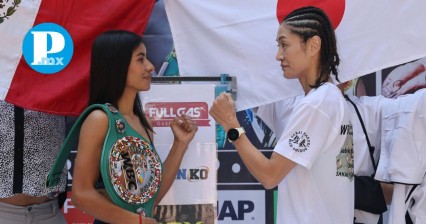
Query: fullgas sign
pixel 162 113
pixel 197 174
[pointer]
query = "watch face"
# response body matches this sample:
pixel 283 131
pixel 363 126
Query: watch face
pixel 233 134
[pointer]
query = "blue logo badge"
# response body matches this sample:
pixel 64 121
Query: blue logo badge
pixel 47 48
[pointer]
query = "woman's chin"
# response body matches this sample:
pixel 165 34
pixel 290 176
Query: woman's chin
pixel 145 88
pixel 289 76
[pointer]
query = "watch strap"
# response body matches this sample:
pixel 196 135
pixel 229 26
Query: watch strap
pixel 240 130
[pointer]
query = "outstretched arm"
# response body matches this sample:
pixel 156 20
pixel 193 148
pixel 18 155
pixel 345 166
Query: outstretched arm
pixel 268 171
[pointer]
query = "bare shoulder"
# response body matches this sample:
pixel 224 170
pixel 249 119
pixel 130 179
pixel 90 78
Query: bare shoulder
pixel 96 120
pixel 97 115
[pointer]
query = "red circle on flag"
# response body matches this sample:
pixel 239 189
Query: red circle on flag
pixel 333 8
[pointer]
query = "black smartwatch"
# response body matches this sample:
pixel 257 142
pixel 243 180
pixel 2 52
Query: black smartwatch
pixel 234 134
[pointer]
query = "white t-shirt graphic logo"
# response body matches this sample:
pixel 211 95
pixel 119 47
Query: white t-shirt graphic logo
pixel 299 141
pixel 345 159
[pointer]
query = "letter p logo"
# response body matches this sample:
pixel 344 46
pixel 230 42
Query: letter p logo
pixel 40 45
pixel 48 48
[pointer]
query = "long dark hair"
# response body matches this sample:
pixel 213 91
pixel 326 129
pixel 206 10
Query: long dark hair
pixel 110 60
pixel 311 21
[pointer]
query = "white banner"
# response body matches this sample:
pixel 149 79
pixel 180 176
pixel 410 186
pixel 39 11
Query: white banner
pixel 197 176
pixel 16 18
pixel 232 37
pixel 374 35
pixel 239 38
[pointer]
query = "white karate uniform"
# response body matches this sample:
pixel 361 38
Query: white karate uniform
pixel 403 155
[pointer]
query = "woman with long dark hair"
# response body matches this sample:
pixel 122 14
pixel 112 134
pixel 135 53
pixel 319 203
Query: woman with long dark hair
pixel 119 70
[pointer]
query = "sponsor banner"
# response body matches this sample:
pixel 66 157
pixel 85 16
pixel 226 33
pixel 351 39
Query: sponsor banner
pixel 260 135
pixel 162 113
pixel 241 206
pixel 233 171
pixel 164 102
pixel 186 214
pixel 70 169
pixel 196 179
pixel 392 82
pixel 73 214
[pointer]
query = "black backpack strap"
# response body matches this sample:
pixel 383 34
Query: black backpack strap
pixel 54 176
pixel 411 191
pixel 371 149
pixel 407 215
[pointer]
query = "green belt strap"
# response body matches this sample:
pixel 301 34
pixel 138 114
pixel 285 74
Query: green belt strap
pixel 113 134
pixel 54 176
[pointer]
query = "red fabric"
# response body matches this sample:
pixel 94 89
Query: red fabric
pixel 333 8
pixel 66 92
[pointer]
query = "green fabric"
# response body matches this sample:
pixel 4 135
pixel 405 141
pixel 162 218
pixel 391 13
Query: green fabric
pixel 112 136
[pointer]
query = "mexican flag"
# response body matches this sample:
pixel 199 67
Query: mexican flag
pixel 65 92
pixel 239 38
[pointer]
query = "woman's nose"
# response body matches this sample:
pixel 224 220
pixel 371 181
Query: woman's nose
pixel 149 66
pixel 279 55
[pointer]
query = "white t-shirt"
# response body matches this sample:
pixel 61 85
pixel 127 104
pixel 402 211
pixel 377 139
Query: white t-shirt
pixel 320 189
pixel 276 115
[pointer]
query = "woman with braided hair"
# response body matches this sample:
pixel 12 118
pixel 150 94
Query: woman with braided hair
pixel 312 162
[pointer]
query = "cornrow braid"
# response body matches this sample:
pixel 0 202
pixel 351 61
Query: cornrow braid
pixel 311 21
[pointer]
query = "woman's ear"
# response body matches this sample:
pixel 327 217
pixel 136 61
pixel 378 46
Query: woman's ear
pixel 314 45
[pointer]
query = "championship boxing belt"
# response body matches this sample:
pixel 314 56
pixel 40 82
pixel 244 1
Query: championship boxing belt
pixel 130 167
